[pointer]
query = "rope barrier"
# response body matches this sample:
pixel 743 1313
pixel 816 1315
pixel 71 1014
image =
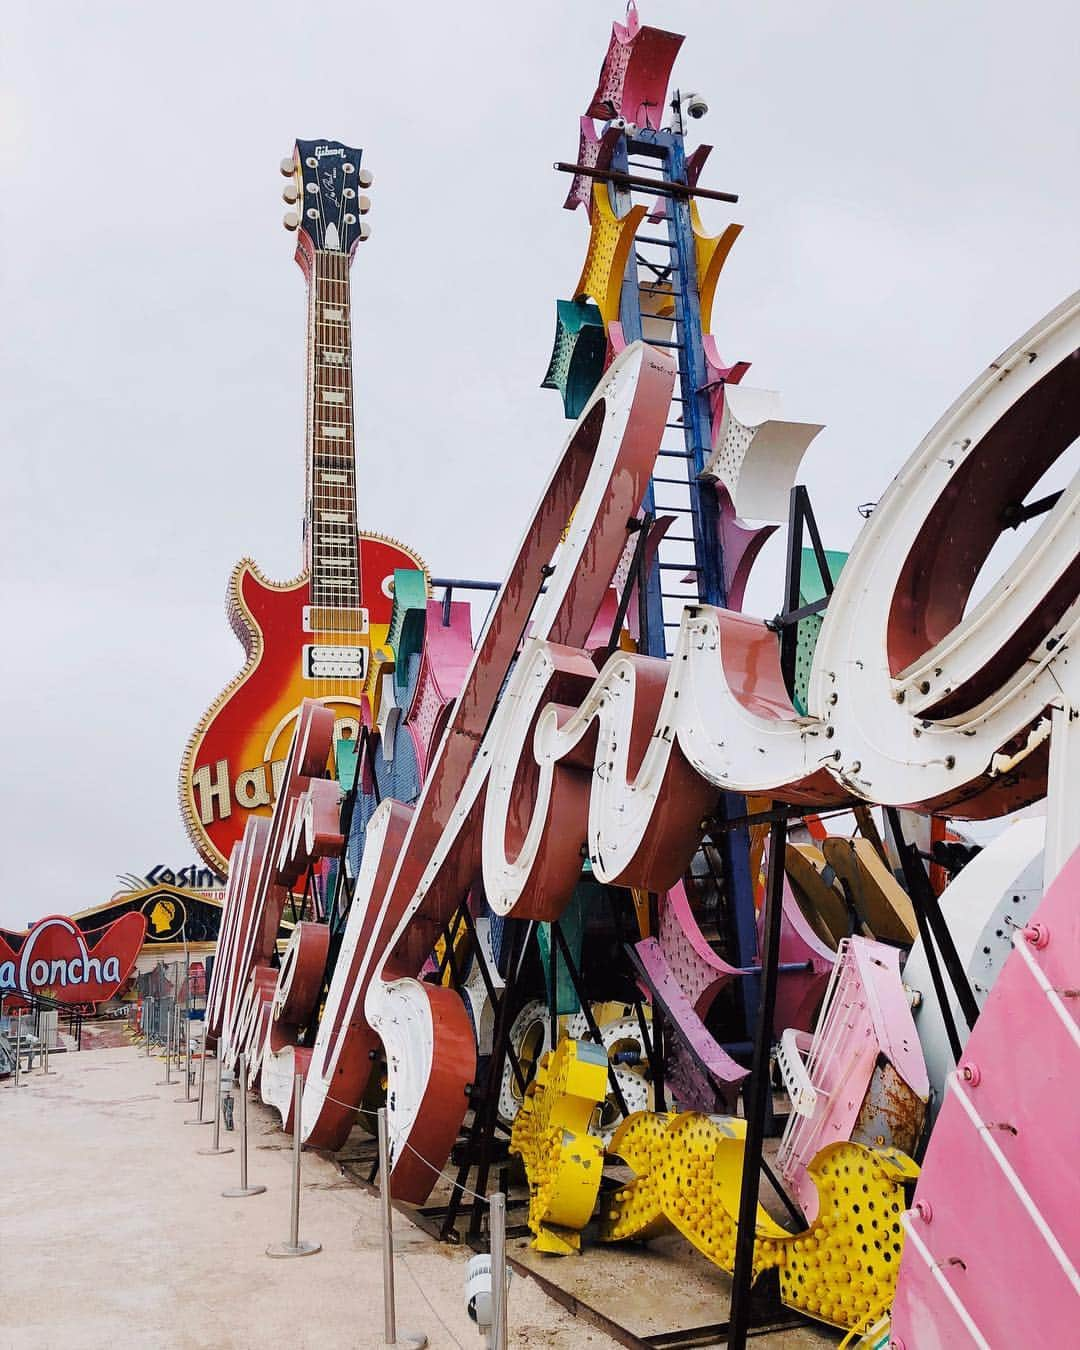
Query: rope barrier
pixel 400 1139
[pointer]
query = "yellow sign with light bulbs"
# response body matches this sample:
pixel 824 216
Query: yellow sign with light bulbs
pixel 687 1174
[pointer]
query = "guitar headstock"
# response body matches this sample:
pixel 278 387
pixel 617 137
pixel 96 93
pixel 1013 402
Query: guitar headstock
pixel 325 191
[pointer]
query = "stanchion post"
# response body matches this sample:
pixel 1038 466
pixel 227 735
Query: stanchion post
pixel 497 1223
pixel 183 1018
pixel 295 1245
pixel 147 1006
pixel 216 1146
pixel 202 1085
pixel 18 1044
pixel 411 1339
pixel 389 1308
pixel 235 1192
pixel 167 1080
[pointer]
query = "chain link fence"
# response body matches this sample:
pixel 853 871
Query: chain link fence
pixel 160 991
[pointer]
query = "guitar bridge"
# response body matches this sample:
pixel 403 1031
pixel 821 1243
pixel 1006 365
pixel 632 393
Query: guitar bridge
pixel 325 663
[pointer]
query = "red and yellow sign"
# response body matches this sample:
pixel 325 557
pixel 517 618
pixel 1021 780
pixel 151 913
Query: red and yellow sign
pixel 233 766
pixel 57 959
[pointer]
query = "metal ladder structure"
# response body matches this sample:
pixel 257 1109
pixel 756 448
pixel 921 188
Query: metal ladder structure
pixel 689 565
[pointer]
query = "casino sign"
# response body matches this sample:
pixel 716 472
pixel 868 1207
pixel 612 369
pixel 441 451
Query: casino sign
pixel 174 915
pixel 179 922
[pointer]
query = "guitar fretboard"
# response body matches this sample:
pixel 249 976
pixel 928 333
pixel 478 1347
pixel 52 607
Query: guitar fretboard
pixel 331 476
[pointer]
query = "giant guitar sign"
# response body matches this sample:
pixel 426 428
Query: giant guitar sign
pixel 313 637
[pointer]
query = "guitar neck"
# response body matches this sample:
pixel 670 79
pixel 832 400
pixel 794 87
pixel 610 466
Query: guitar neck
pixel 331 529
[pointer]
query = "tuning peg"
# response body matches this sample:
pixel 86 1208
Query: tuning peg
pixel 363 231
pixel 288 167
pixel 291 220
pixel 290 193
pixel 365 177
pixel 363 204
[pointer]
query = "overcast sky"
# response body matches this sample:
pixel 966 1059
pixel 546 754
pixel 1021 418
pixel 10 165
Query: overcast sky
pixel 909 189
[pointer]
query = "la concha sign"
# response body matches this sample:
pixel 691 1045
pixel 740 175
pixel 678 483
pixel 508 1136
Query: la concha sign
pixel 54 959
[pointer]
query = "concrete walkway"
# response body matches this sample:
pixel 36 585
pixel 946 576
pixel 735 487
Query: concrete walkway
pixel 114 1233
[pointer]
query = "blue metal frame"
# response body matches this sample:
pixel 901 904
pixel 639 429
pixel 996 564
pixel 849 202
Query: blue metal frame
pixel 667 147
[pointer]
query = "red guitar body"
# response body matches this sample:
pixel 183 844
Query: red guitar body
pixel 234 760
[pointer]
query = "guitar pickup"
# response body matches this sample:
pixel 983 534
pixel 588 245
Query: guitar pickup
pixel 326 663
pixel 326 619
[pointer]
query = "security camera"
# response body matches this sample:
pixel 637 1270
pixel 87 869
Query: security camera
pixel 478 1300
pixel 686 104
pixel 478 1291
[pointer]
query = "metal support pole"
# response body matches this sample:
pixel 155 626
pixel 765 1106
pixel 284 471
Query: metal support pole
pixel 928 911
pixel 389 1311
pixel 937 979
pixel 235 1192
pixel 789 637
pixel 391 1336
pixel 184 1018
pixel 657 1061
pixel 497 1220
pixel 167 1080
pixel 662 187
pixel 216 1146
pixel 757 1097
pixel 148 1003
pixel 202 1086
pixel 295 1245
pixel 18 1046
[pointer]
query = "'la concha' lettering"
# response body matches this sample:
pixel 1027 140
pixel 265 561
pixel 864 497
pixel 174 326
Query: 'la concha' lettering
pixel 54 958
